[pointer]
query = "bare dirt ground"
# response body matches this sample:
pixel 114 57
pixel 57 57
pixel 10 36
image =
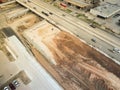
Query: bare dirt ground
pixel 80 66
pixel 24 22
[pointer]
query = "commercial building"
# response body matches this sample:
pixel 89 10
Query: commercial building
pixel 105 11
pixel 25 68
pixel 83 4
pixel 78 4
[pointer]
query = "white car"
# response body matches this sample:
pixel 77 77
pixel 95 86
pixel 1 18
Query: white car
pixel 7 88
pixel 16 83
pixel 116 50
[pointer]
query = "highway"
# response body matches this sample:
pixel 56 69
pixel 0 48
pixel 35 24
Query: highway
pixel 104 41
pixel 68 18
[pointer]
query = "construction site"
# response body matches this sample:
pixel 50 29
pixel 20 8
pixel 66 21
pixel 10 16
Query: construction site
pixel 74 64
pixel 79 66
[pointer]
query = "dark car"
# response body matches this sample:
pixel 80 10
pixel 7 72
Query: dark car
pixel 51 13
pixel 34 8
pixel 92 25
pixel 116 15
pixel 93 40
pixel 12 86
pixel 45 13
pixel 118 23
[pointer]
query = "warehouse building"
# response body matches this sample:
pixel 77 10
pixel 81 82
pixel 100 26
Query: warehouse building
pixel 82 4
pixel 105 11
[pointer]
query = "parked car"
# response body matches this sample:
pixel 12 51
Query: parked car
pixel 16 83
pixel 116 15
pixel 118 22
pixel 51 13
pixel 6 88
pixel 12 86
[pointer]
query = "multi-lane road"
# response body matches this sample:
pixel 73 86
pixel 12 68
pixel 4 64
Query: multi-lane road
pixel 105 42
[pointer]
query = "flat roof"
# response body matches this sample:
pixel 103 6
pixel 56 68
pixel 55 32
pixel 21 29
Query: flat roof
pixel 7 69
pixel 78 3
pixel 107 10
pixel 25 61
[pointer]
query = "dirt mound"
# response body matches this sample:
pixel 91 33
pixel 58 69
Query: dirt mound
pixel 81 66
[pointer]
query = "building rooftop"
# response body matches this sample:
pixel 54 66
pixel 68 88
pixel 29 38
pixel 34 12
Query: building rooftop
pixel 34 71
pixel 106 10
pixel 78 3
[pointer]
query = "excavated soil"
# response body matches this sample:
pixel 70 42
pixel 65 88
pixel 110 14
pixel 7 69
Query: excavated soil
pixel 82 67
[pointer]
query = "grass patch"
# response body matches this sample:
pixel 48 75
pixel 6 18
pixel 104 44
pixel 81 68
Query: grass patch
pixel 68 11
pixel 81 15
pixel 56 5
pixel 47 0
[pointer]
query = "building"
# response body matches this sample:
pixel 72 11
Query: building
pixel 83 4
pixel 105 11
pixel 77 4
pixel 30 74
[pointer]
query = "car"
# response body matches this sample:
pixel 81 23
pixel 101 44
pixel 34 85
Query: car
pixel 44 13
pixel 29 0
pixel 63 14
pixel 12 86
pixel 92 25
pixel 116 15
pixel 116 50
pixel 93 40
pixel 16 83
pixel 118 22
pixel 34 8
pixel 51 13
pixel 6 88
